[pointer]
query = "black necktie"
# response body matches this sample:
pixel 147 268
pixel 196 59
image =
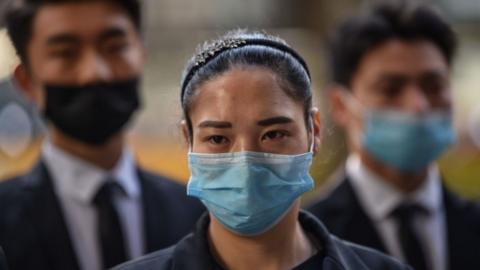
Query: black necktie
pixel 411 246
pixel 109 228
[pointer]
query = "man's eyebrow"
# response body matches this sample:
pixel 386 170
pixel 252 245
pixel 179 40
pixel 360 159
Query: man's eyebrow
pixel 392 76
pixel 214 124
pixel 274 121
pixel 433 74
pixel 63 38
pixel 113 32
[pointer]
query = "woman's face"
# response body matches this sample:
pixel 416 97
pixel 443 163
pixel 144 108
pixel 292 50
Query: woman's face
pixel 247 110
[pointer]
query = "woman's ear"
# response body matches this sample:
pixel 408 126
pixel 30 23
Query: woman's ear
pixel 317 129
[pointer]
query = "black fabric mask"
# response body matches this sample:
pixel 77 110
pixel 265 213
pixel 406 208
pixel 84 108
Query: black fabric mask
pixel 92 113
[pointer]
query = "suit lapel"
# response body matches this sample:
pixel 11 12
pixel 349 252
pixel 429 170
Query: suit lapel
pixel 152 213
pixel 462 219
pixel 359 227
pixel 354 224
pixel 43 208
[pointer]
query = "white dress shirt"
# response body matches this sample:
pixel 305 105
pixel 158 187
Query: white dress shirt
pixel 76 183
pixel 379 199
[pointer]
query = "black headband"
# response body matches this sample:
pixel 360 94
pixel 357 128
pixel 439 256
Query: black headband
pixel 218 47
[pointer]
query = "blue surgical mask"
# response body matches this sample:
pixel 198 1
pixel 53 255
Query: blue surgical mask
pixel 406 141
pixel 249 192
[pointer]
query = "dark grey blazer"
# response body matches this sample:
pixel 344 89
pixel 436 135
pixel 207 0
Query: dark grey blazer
pixel 344 216
pixel 34 235
pixel 193 252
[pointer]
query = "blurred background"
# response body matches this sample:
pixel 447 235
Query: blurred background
pixel 172 30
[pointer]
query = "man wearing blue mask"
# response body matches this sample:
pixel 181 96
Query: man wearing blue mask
pixel 86 204
pixel 391 93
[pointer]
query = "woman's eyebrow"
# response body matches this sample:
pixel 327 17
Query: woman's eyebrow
pixel 214 124
pixel 274 121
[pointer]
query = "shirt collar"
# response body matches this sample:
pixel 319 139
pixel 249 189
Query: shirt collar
pixel 379 198
pixel 80 180
pixel 337 254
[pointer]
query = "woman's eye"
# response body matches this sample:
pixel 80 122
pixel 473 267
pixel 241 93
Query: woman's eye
pixel 274 135
pixel 216 139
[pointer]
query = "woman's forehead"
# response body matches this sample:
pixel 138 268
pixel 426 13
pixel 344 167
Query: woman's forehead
pixel 243 92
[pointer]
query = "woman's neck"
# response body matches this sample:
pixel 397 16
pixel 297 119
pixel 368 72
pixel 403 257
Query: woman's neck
pixel 282 247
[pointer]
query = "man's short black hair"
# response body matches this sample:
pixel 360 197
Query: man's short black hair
pixel 404 20
pixel 20 15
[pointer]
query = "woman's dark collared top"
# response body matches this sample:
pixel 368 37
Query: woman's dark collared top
pixel 193 252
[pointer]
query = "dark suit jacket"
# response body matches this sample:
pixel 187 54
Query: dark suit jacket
pixel 343 215
pixel 193 252
pixel 3 261
pixel 33 230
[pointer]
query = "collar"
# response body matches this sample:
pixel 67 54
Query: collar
pixel 379 198
pixel 80 180
pixel 338 255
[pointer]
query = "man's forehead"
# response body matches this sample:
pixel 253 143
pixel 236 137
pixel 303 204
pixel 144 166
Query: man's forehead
pixel 84 19
pixel 415 73
pixel 395 53
pixel 402 58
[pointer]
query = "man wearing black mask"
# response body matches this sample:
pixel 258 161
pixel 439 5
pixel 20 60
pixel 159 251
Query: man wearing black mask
pixel 86 205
